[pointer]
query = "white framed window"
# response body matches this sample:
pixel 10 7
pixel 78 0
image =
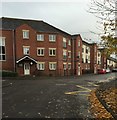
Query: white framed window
pixel 26 50
pixel 88 59
pixel 79 43
pixel 95 49
pixel 52 65
pixel 69 42
pixel 25 34
pixel 64 54
pixel 64 42
pixel 82 49
pixel 64 66
pixel 69 54
pixel 79 54
pixel 69 66
pixel 52 51
pixel 41 65
pixel 40 51
pixel 52 38
pixel 40 37
pixel 2 49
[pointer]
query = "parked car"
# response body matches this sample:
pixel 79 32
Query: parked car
pixel 108 70
pixel 114 70
pixel 101 71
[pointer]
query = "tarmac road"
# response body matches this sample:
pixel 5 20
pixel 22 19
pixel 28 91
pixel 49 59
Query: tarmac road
pixel 63 97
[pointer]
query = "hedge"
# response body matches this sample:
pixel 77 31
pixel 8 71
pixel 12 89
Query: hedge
pixel 8 74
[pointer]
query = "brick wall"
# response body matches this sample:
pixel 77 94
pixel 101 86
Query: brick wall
pixel 8 64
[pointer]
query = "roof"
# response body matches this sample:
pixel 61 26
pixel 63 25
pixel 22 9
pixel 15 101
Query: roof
pixel 26 58
pixel 40 26
pixel 112 59
pixel 75 36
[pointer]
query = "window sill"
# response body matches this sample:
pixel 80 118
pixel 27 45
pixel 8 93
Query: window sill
pixel 40 40
pixel 25 38
pixel 52 55
pixel 2 60
pixel 40 55
pixel 52 41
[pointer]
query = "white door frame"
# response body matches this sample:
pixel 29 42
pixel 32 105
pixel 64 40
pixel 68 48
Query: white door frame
pixel 26 69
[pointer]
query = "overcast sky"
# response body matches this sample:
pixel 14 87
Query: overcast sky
pixel 71 17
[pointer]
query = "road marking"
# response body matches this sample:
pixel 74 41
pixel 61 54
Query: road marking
pixel 74 92
pixel 83 87
pixel 92 84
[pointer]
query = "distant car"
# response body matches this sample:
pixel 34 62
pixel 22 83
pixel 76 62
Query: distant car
pixel 101 71
pixel 108 70
pixel 114 70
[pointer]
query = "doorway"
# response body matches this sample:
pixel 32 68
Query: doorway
pixel 26 69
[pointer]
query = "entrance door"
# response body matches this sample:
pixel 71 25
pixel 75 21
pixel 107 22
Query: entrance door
pixel 26 69
pixel 95 70
pixel 78 70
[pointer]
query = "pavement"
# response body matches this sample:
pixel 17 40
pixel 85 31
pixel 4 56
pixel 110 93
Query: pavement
pixel 53 97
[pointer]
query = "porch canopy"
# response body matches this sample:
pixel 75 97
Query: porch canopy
pixel 26 59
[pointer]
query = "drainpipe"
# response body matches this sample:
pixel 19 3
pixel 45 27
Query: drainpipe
pixel 73 55
pixel 14 51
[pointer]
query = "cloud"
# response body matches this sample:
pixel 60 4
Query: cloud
pixel 68 16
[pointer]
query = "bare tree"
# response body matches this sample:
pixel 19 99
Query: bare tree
pixel 106 11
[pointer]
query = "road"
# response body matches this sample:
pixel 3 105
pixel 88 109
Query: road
pixel 63 97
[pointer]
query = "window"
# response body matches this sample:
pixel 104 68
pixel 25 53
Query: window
pixel 26 50
pixel 83 60
pixel 69 66
pixel 79 43
pixel 69 54
pixel 2 49
pixel 64 66
pixel 64 42
pixel 52 51
pixel 41 65
pixel 78 54
pixel 26 34
pixel 86 50
pixel 52 65
pixel 40 37
pixel 82 49
pixel 69 42
pixel 65 54
pixel 99 54
pixel 52 38
pixel 88 59
pixel 95 49
pixel 40 51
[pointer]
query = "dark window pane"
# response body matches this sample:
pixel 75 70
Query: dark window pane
pixel 0 57
pixel 42 51
pixel 39 52
pixel 53 52
pixel 3 57
pixel 0 49
pixel 50 52
pixel 3 50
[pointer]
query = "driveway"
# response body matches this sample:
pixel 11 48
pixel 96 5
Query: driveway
pixel 63 97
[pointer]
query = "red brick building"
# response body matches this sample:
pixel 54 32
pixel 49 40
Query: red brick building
pixel 31 47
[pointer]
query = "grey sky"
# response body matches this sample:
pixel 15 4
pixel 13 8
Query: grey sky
pixel 71 17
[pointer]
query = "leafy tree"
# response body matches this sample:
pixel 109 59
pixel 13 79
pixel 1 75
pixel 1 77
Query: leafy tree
pixel 106 11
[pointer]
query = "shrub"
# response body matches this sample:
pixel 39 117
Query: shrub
pixel 8 74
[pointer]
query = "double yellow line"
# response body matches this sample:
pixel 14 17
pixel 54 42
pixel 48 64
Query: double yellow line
pixel 79 92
